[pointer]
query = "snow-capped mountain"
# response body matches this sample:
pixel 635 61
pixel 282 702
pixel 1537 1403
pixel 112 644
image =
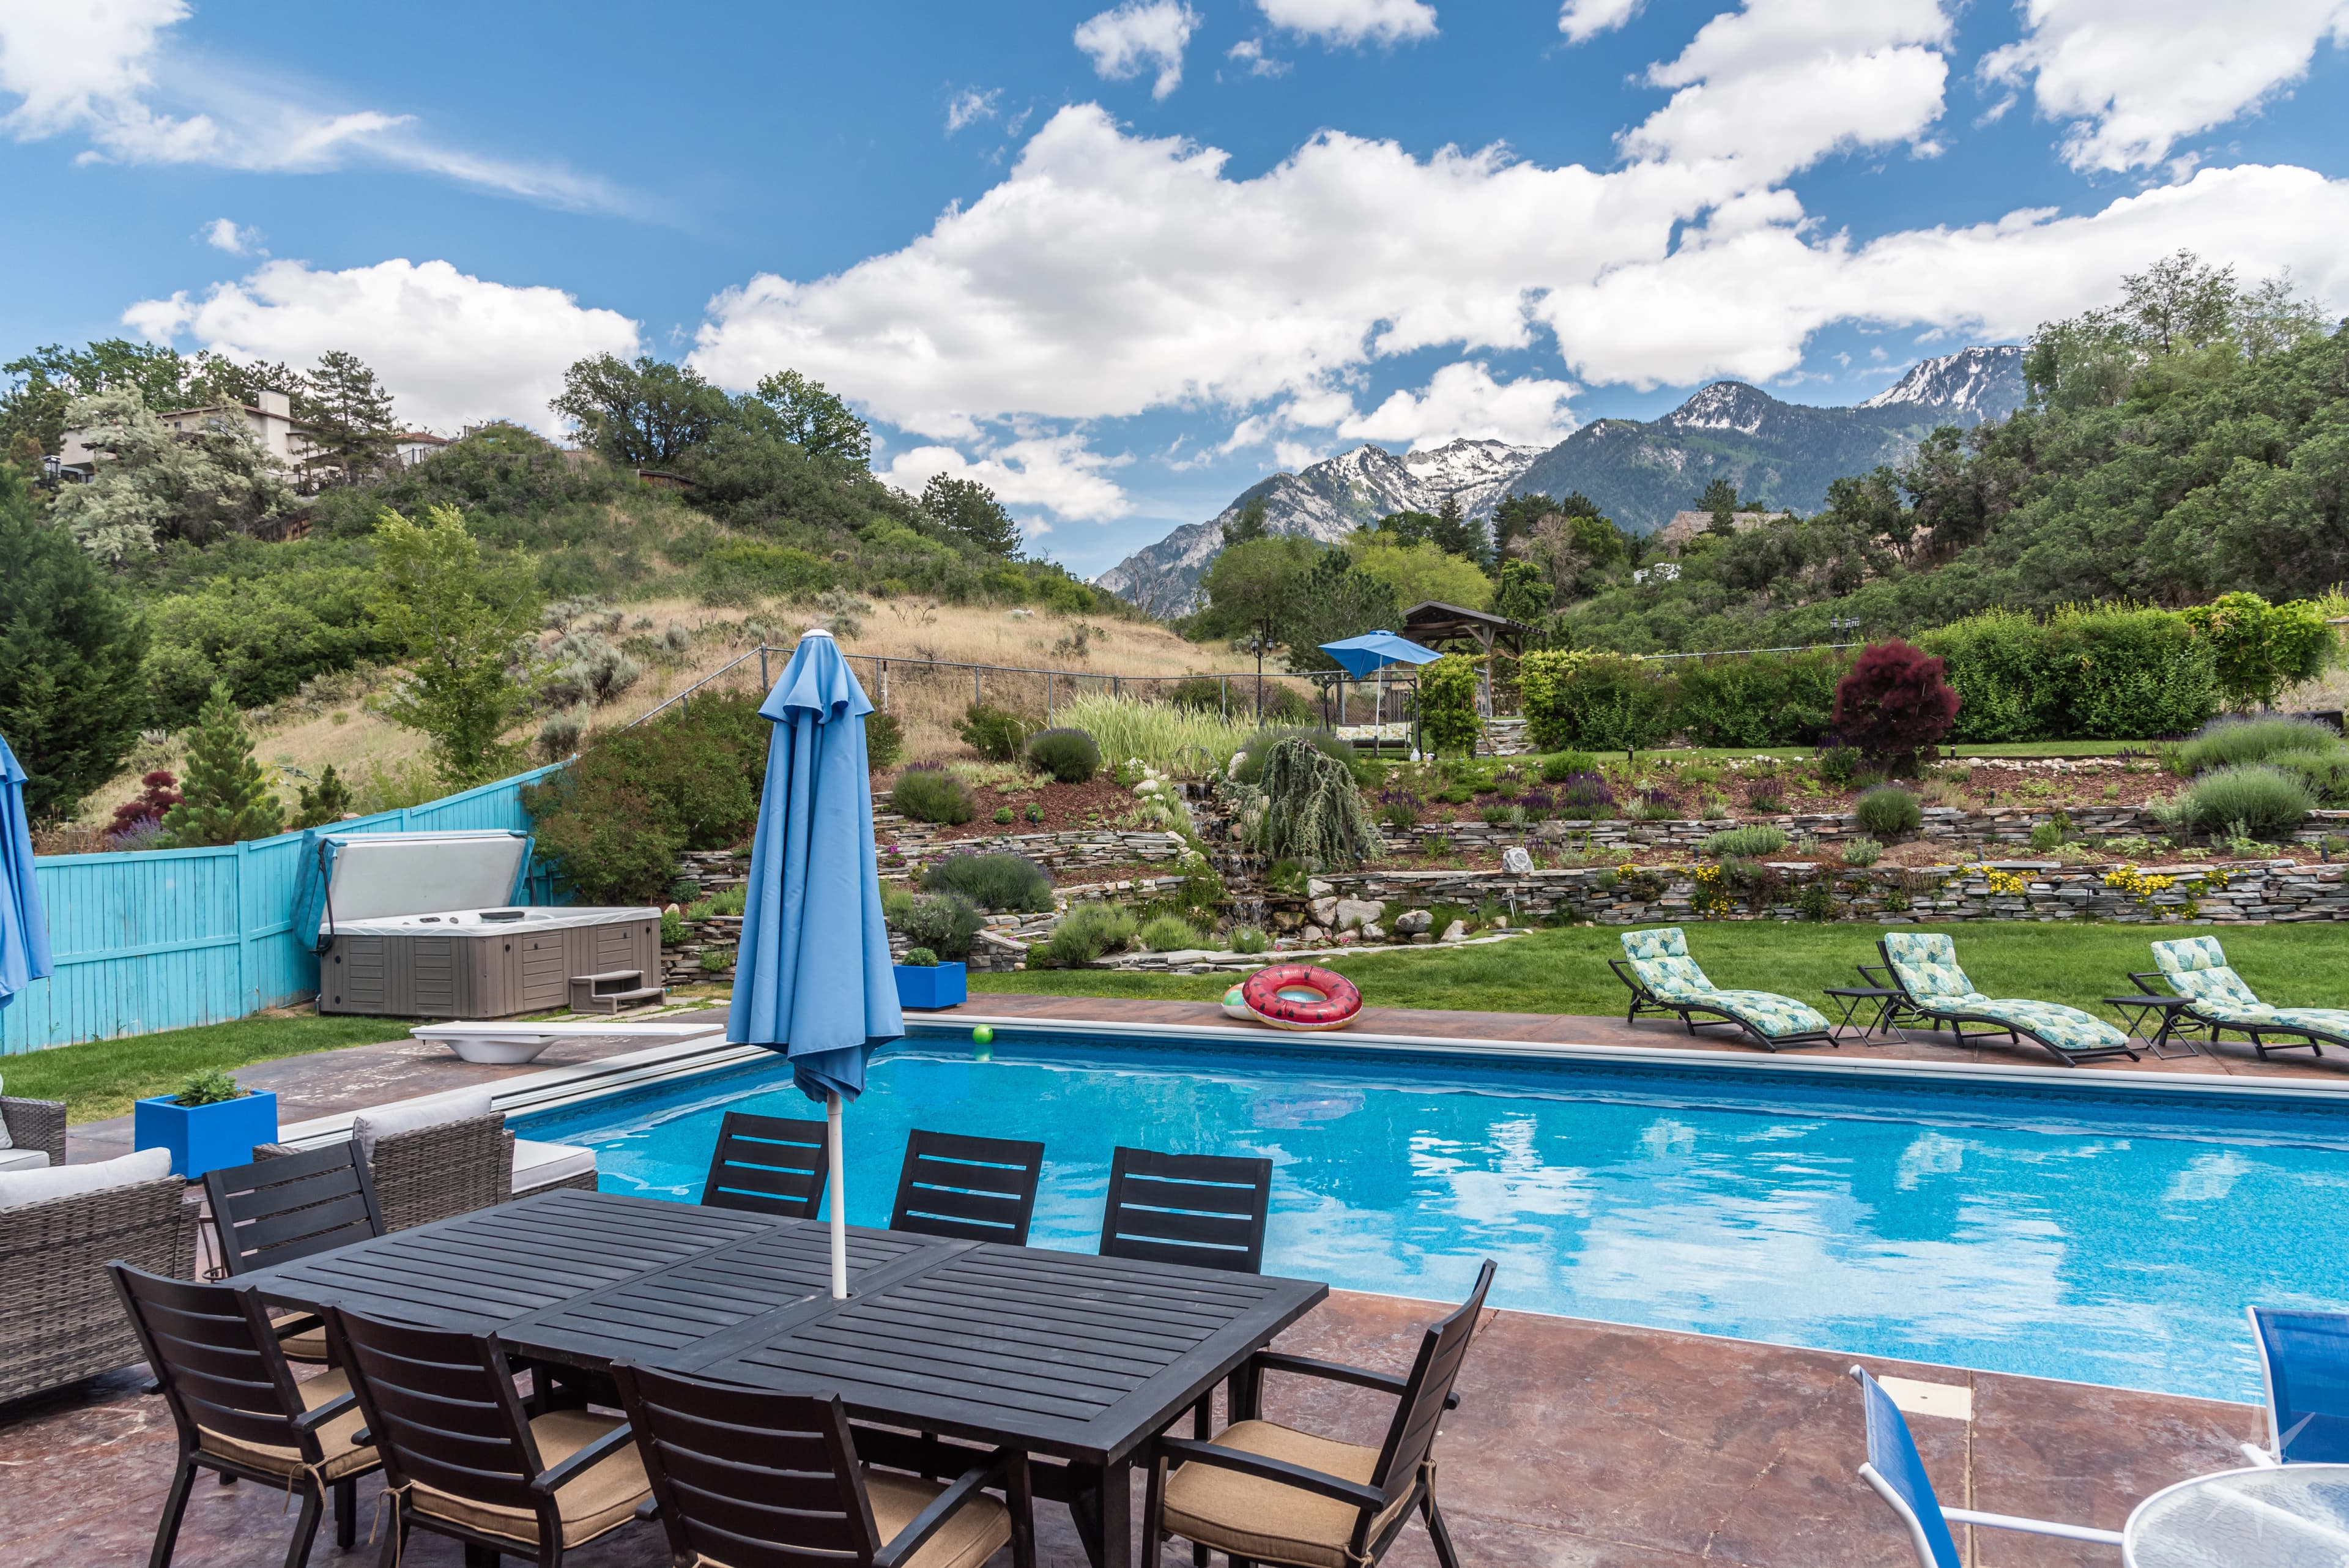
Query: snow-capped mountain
pixel 1326 502
pixel 1984 382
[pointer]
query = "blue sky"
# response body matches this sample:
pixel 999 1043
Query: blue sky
pixel 1121 262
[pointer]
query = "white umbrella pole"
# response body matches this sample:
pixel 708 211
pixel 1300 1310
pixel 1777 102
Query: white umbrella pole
pixel 839 1200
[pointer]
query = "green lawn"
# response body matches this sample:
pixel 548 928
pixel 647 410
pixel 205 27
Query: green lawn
pixel 100 1077
pixel 1565 971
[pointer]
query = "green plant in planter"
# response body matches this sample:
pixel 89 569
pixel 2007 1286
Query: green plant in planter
pixel 919 958
pixel 209 1087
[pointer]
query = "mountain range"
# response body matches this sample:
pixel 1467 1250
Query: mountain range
pixel 1640 472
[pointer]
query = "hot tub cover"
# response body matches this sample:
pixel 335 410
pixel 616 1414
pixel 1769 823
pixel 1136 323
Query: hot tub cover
pixel 348 877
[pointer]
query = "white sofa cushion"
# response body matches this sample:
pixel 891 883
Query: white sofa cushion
pixel 72 1180
pixel 537 1164
pixel 407 1116
pixel 23 1160
pixel 3 1119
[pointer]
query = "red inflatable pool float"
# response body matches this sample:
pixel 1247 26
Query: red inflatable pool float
pixel 1299 996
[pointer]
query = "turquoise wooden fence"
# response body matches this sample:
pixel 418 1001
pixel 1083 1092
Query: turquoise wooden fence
pixel 172 938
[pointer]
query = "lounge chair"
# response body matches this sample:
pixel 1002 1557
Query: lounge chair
pixel 769 1165
pixel 462 1457
pixel 1898 1475
pixel 971 1188
pixel 2304 1361
pixel 748 1479
pixel 35 1133
pixel 2197 968
pixel 1204 1209
pixel 239 1410
pixel 1263 1492
pixel 1924 967
pixel 1663 979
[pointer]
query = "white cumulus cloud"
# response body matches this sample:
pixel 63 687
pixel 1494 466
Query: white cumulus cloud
pixel 1353 21
pixel 1464 399
pixel 1581 20
pixel 2134 76
pixel 1249 54
pixel 453 349
pixel 98 69
pixel 969 107
pixel 1138 36
pixel 223 235
pixel 1058 473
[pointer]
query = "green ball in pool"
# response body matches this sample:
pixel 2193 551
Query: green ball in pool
pixel 982 1035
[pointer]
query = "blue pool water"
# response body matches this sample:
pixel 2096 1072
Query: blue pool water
pixel 2106 1238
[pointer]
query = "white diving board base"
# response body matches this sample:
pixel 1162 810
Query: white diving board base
pixel 506 1043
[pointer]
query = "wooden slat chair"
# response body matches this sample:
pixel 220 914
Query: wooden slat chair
pixel 1207 1210
pixel 297 1205
pixel 1263 1492
pixel 970 1188
pixel 238 1408
pixel 747 1478
pixel 462 1459
pixel 768 1165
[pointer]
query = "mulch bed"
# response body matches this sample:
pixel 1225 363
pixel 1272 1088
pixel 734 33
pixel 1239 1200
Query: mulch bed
pixel 1066 808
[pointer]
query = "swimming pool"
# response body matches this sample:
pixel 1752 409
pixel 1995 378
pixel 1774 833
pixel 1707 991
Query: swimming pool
pixel 2106 1236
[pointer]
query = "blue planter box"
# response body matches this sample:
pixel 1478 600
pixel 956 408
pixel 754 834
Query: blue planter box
pixel 938 985
pixel 205 1137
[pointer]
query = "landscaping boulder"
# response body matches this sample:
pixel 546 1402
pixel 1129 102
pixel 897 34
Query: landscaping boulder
pixel 1317 887
pixel 1325 910
pixel 1517 861
pixel 1412 921
pixel 1372 932
pixel 1456 931
pixel 1314 934
pixel 1351 912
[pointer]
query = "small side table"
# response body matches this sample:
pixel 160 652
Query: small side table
pixel 1852 998
pixel 2138 1010
pixel 2295 1516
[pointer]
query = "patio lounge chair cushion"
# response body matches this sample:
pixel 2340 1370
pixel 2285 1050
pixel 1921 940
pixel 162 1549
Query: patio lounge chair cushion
pixel 38 1186
pixel 407 1116
pixel 537 1164
pixel 1659 958
pixel 23 1160
pixel 2197 966
pixel 1927 966
pixel 334 1438
pixel 1250 1518
pixel 601 1498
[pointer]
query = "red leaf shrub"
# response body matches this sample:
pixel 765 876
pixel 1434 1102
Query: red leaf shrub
pixel 161 794
pixel 1894 702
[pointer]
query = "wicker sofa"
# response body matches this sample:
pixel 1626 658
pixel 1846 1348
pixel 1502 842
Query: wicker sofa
pixel 448 1168
pixel 59 1318
pixel 37 1126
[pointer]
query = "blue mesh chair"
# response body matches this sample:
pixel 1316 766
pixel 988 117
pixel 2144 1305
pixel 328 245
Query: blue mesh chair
pixel 1899 1476
pixel 2304 1357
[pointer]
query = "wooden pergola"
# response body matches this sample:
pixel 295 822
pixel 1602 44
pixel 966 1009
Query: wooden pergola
pixel 1434 624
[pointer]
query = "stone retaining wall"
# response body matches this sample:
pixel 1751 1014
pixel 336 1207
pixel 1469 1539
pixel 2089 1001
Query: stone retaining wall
pixel 907 848
pixel 1944 825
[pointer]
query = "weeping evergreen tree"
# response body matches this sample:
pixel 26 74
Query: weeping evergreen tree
pixel 225 797
pixel 1312 812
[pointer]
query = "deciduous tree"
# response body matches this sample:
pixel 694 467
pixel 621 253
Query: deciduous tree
pixel 155 484
pixel 818 421
pixel 968 510
pixel 640 414
pixel 466 629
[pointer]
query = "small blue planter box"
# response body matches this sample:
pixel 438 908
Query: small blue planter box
pixel 935 985
pixel 205 1137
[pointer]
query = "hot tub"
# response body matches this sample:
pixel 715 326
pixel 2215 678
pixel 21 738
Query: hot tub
pixel 414 925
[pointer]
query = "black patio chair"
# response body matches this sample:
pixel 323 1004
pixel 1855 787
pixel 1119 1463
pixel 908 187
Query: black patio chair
pixel 1204 1209
pixel 769 1165
pixel 748 1479
pixel 239 1410
pixel 461 1457
pixel 970 1188
pixel 293 1206
pixel 1262 1492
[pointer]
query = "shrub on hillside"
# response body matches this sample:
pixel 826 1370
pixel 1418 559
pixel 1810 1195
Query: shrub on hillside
pixel 1744 843
pixel 2326 773
pixel 1600 702
pixel 1757 700
pixel 1888 811
pixel 1862 851
pixel 946 923
pixel 995 734
pixel 1260 745
pixel 2226 741
pixel 1088 932
pixel 1313 813
pixel 1448 721
pixel 884 739
pixel 1894 702
pixel 1583 797
pixel 1068 755
pixel 1002 882
pixel 612 822
pixel 2092 673
pixel 1169 934
pixel 2254 801
pixel 928 793
pixel 1560 766
pixel 1204 693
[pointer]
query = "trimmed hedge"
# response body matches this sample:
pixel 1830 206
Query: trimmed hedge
pixel 2103 673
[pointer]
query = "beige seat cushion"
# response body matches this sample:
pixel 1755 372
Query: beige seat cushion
pixel 334 1438
pixel 971 1534
pixel 310 1344
pixel 601 1499
pixel 1248 1517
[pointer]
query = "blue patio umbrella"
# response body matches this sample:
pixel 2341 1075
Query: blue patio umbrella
pixel 24 934
pixel 812 979
pixel 1374 650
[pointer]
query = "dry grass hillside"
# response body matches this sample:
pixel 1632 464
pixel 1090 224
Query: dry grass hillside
pixel 330 723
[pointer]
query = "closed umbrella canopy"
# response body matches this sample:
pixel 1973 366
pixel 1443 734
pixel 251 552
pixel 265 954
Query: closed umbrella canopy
pixel 812 979
pixel 1374 650
pixel 24 934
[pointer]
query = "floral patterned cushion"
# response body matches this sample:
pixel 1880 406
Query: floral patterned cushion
pixel 1770 1013
pixel 1663 941
pixel 2197 966
pixel 1659 958
pixel 2067 1028
pixel 1926 963
pixel 2324 1020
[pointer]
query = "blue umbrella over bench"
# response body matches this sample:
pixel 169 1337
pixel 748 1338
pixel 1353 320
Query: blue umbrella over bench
pixel 24 935
pixel 812 979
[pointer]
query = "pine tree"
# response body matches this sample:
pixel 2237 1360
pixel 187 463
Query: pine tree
pixel 348 417
pixel 967 508
pixel 1719 498
pixel 330 801
pixel 1250 523
pixel 226 798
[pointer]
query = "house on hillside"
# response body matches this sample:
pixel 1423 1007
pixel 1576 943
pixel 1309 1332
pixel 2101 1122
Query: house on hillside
pixel 414 446
pixel 1686 525
pixel 270 420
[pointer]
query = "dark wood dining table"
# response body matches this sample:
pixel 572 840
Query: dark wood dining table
pixel 1065 1356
